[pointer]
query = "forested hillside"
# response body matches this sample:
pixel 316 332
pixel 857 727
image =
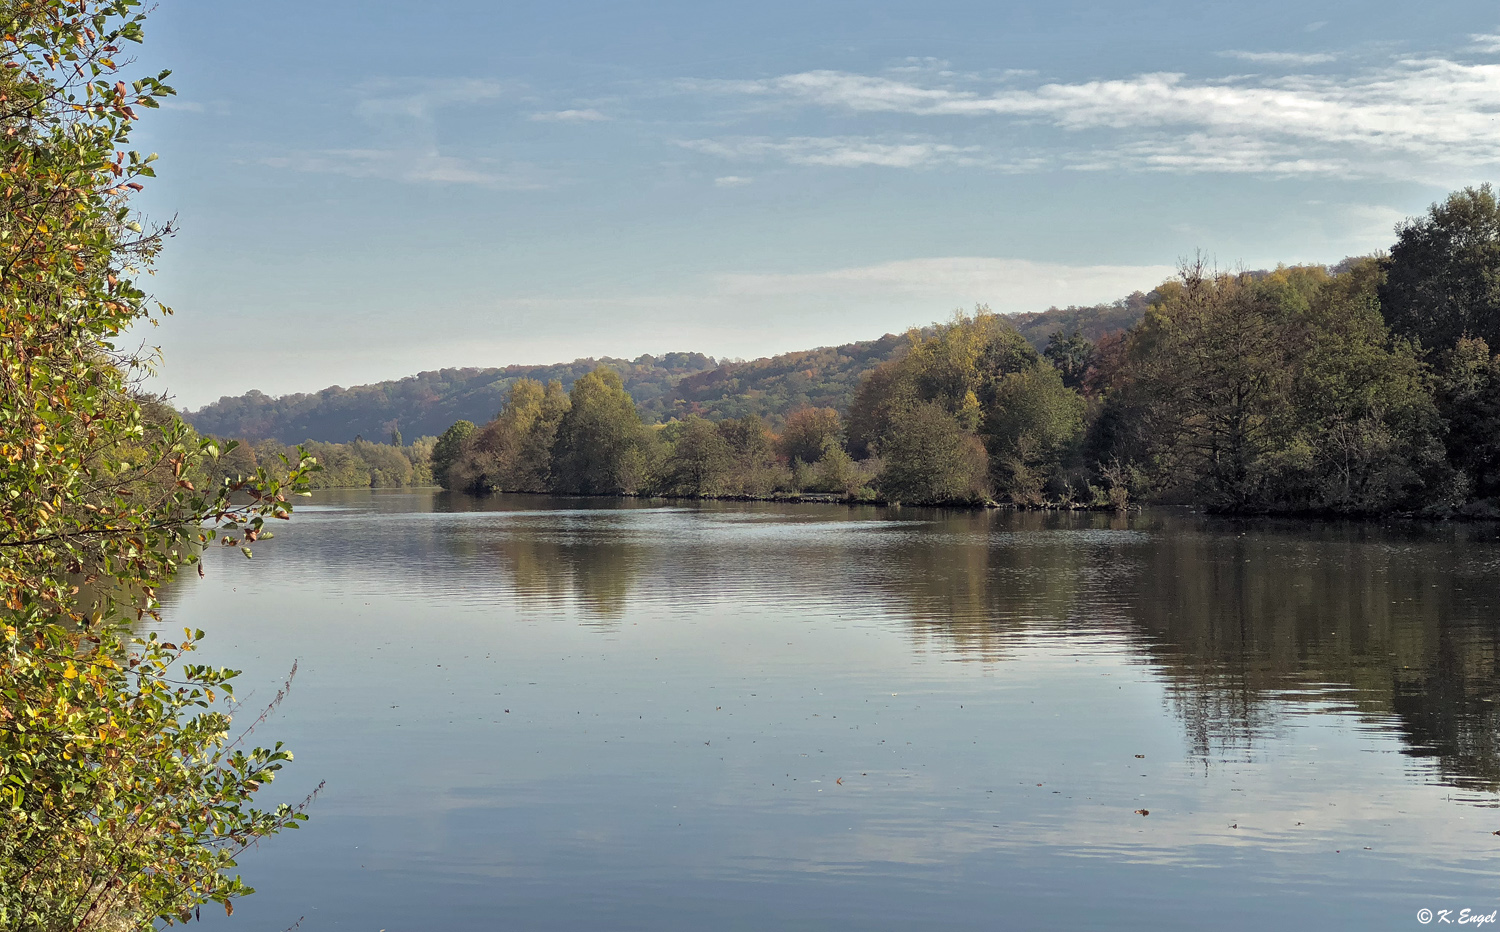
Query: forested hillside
pixel 420 405
pixel 672 386
pixel 771 388
pixel 1091 322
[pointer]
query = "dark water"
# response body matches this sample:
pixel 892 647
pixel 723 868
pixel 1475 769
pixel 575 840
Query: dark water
pixel 535 714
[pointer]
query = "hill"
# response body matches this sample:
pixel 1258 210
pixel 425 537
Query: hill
pixel 1093 321
pixel 420 405
pixel 773 387
pixel 673 385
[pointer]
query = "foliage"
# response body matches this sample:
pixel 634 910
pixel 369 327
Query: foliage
pixel 126 800
pixel 1282 391
pixel 1033 421
pixel 774 387
pixel 983 374
pixel 360 464
pixel 601 445
pixel 122 799
pixel 1071 355
pixel 1468 396
pixel 448 449
pixel 1443 275
pixel 755 469
pixel 513 452
pixel 837 472
pixel 930 458
pixel 700 460
pixel 1092 323
pixel 807 433
pixel 665 388
pixel 1364 388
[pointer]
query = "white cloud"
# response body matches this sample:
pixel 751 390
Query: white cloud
pixel 1207 152
pixel 1485 42
pixel 1399 120
pixel 419 98
pixel 732 181
pixel 570 116
pixel 410 166
pixel 841 151
pixel 1282 58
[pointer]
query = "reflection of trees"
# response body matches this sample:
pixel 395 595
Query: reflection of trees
pixel 971 580
pixel 550 559
pixel 1242 617
pixel 1448 711
pixel 546 569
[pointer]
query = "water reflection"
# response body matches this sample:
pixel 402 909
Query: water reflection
pixel 1246 620
pixel 634 715
pixel 1394 624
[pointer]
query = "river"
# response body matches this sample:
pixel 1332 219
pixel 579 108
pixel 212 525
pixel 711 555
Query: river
pixel 563 714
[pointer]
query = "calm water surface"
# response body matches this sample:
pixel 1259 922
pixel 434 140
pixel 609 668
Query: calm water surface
pixel 539 714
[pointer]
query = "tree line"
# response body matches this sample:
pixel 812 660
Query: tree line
pixel 1362 389
pixel 358 464
pixel 591 440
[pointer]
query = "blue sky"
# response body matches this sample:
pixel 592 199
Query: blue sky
pixel 370 189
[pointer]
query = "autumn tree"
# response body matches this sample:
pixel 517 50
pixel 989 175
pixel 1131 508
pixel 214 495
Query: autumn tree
pixel 1031 426
pixel 699 462
pixel 1469 397
pixel 601 445
pixel 1070 354
pixel 929 458
pixel 124 800
pixel 513 452
pixel 807 432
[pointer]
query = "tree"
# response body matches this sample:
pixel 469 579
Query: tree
pixel 1213 373
pixel 1274 391
pixel 1443 276
pixel 1469 398
pixel 513 452
pixel 951 366
pixel 836 471
pixel 123 798
pixel 752 452
pixel 1364 432
pixel 807 432
pixel 1070 355
pixel 447 450
pixel 930 459
pixel 700 460
pixel 1032 423
pixel 601 445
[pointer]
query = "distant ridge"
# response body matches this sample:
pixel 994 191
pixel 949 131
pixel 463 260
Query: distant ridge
pixel 672 385
pixel 419 405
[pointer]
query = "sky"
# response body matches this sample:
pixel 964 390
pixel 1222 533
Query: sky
pixel 365 190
